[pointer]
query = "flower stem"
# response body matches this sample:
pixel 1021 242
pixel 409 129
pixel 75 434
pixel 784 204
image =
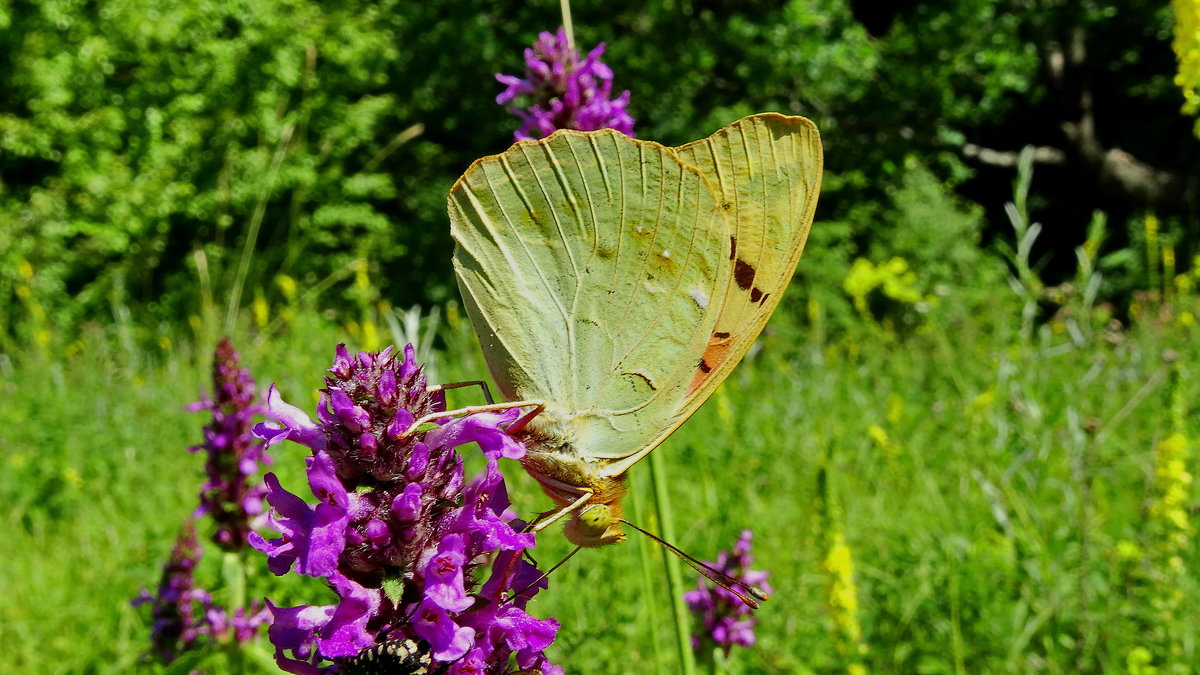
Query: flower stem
pixel 566 17
pixel 662 506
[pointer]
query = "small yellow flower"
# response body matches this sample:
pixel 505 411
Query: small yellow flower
pixel 841 596
pixel 370 336
pixel 1187 50
pixel 879 435
pixel 287 286
pixel 724 407
pixel 71 477
pixel 895 408
pixel 1137 662
pixel 814 310
pixel 1128 550
pixel 261 311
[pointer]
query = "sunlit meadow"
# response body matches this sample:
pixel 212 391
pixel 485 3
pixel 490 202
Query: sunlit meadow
pixel 968 496
pixel 995 476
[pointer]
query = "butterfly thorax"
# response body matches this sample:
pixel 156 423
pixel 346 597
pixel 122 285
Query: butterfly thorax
pixel 566 475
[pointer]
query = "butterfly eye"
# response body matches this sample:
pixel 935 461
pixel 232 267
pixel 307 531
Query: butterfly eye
pixel 594 520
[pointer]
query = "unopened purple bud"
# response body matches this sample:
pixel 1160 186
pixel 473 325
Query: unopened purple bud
pixel 342 362
pixel 409 368
pixel 386 390
pixel 407 506
pixel 353 416
pixel 400 423
pixel 368 443
pixel 378 533
pixel 418 461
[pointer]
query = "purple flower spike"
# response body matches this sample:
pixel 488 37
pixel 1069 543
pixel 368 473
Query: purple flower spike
pixel 726 619
pixel 184 616
pixel 565 91
pixel 397 533
pixel 231 496
pixel 176 628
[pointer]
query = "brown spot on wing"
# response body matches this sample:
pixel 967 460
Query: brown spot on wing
pixel 714 355
pixel 755 295
pixel 743 274
pixel 649 382
pixel 732 247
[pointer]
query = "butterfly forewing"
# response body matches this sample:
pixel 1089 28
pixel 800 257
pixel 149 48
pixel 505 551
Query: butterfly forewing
pixel 592 266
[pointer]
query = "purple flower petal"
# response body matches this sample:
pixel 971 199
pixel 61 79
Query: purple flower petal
pixel 447 640
pixel 444 576
pixel 346 632
pixel 298 427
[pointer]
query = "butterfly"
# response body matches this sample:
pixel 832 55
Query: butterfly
pixel 616 283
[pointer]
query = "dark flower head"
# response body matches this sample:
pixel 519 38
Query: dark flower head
pixel 175 629
pixel 565 92
pixel 727 620
pixel 230 496
pixel 395 532
pixel 183 615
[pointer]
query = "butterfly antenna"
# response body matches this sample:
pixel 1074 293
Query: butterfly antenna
pixel 751 597
pixel 547 573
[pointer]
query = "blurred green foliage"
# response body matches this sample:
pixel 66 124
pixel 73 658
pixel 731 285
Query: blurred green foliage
pixel 142 147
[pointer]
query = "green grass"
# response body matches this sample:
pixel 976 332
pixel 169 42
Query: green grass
pixel 984 532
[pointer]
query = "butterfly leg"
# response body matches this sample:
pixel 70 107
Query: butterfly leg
pixel 529 527
pixel 487 393
pixel 564 511
pixel 417 424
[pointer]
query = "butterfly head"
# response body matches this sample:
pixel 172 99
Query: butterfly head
pixel 566 477
pixel 596 525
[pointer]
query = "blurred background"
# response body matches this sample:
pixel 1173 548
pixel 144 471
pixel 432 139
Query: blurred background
pixel 142 145
pixel 979 392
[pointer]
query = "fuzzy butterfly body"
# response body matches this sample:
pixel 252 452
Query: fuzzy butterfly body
pixel 620 281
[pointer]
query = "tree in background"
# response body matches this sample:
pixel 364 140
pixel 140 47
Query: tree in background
pixel 142 149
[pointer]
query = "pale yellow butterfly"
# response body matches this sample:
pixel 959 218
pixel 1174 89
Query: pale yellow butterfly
pixel 618 282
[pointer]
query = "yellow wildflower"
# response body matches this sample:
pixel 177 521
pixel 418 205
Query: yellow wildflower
pixel 841 596
pixel 895 408
pixel 261 311
pixel 1187 49
pixel 287 286
pixel 71 477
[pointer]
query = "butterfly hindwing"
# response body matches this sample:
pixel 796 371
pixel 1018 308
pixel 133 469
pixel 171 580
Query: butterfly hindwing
pixel 593 267
pixel 766 170
pixel 768 167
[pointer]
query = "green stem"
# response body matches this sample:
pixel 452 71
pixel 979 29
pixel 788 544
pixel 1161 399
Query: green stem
pixel 567 27
pixel 647 549
pixel 662 506
pixel 260 209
